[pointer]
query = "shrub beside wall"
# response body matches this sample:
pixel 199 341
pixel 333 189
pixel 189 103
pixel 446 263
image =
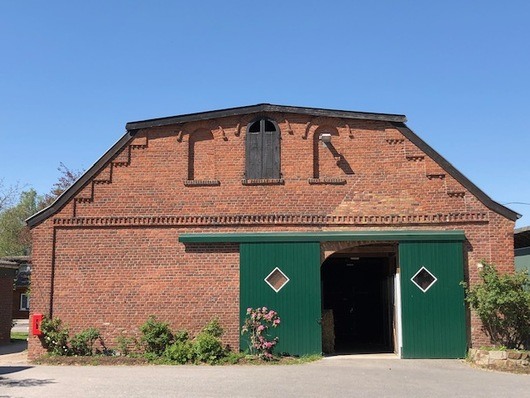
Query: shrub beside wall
pixel 157 343
pixel 502 301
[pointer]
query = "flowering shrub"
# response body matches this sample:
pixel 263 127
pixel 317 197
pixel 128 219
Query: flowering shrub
pixel 55 337
pixel 256 325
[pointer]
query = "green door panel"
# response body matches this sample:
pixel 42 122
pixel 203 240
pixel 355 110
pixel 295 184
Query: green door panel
pixel 297 302
pixel 434 321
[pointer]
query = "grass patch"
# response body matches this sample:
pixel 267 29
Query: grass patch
pixel 301 360
pixel 233 359
pixel 19 336
pixel 94 360
pixel 243 359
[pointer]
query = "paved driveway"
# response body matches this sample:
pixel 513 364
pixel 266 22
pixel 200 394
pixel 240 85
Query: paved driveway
pixel 330 377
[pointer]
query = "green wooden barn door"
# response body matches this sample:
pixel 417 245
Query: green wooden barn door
pixel 433 310
pixel 295 269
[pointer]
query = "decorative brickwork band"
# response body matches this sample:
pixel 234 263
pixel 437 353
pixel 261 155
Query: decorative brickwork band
pixel 276 219
pixel 201 183
pixel 330 181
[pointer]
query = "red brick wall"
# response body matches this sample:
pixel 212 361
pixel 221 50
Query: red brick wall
pixel 114 250
pixel 6 302
pixel 121 276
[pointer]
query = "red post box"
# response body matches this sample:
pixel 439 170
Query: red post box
pixel 36 320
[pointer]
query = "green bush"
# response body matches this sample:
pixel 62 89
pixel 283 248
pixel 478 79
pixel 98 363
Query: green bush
pixel 180 352
pixel 232 358
pixel 83 343
pixel 55 337
pixel 152 357
pixel 124 345
pixel 181 336
pixel 156 336
pixel 502 301
pixel 160 345
pixel 213 328
pixel 208 348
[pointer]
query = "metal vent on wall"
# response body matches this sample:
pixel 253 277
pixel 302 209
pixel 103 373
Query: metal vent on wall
pixel 424 279
pixel 276 279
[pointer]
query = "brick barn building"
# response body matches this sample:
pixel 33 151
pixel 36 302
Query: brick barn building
pixel 8 270
pixel 347 223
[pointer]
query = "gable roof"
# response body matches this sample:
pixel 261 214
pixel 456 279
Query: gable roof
pixel 397 120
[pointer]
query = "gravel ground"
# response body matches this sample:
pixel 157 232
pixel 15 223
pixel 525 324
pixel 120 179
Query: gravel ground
pixel 331 377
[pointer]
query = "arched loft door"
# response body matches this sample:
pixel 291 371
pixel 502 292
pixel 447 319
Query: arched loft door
pixel 263 150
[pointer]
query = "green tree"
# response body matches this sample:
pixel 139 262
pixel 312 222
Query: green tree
pixel 7 195
pixel 502 301
pixel 15 239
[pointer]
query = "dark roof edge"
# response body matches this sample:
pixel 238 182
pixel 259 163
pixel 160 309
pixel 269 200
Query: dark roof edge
pixel 16 259
pixel 521 230
pixel 164 121
pixel 8 265
pixel 80 183
pixel 457 175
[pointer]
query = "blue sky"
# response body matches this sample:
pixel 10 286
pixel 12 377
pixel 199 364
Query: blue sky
pixel 73 73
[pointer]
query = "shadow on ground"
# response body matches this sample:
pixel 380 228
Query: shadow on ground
pixel 5 382
pixel 13 348
pixel 4 370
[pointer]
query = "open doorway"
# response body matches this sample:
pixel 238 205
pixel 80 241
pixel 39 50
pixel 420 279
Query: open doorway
pixel 358 300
